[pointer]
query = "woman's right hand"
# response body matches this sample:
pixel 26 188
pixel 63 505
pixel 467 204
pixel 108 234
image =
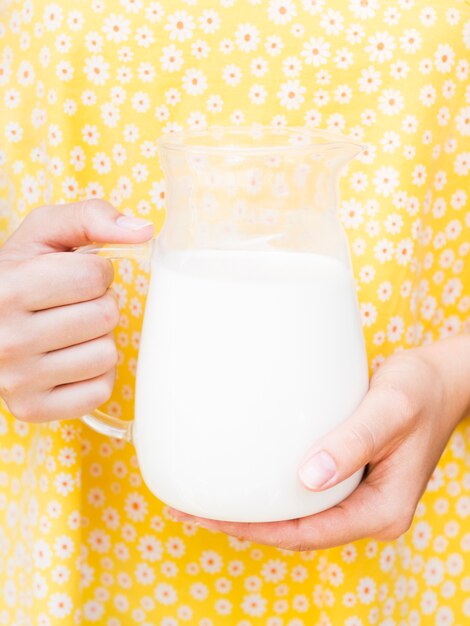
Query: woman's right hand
pixel 57 311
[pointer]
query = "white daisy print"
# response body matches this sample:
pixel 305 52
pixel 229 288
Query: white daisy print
pixel 291 94
pixel 381 47
pixel 60 605
pixel 386 180
pixel 257 94
pixel 363 9
pixel 180 25
pixel 463 121
pixel 232 75
pixel 370 80
pixel 165 594
pixel 97 70
pixel 316 51
pixel 247 37
pixel 209 21
pixel 194 82
pixel 391 102
pixel 410 41
pixel 332 22
pixel 116 28
pixel 281 11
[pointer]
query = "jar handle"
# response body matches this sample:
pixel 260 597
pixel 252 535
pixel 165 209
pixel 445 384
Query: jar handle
pixel 98 420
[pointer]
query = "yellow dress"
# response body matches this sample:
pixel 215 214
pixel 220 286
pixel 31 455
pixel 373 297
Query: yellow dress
pixel 86 89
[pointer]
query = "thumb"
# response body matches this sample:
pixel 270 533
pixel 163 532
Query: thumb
pixel 59 228
pixel 378 421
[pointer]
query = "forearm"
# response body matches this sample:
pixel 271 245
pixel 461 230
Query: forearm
pixel 451 360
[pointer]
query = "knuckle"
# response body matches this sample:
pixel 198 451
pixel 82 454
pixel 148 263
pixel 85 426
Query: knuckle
pixel 101 392
pixel 98 275
pixel 363 437
pixel 25 410
pixel 109 353
pixel 11 384
pixel 10 293
pixel 39 214
pixel 394 522
pixel 10 346
pixel 108 310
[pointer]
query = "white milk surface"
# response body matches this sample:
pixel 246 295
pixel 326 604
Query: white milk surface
pixel 246 359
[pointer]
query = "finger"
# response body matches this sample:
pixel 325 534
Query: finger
pixel 79 362
pixel 76 399
pixel 365 513
pixel 66 226
pixel 69 325
pixel 380 419
pixel 60 278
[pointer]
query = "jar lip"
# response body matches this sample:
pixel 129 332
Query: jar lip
pixel 296 139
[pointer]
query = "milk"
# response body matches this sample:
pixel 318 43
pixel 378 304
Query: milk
pixel 248 358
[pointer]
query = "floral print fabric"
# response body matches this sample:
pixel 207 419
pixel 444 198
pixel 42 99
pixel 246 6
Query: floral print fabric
pixel 87 88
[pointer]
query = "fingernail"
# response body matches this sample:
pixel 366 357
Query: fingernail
pixel 318 470
pixel 132 223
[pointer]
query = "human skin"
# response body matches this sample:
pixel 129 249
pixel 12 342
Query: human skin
pixel 416 399
pixel 57 361
pixel 57 311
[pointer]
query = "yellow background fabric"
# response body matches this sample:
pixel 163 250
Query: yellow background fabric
pixel 86 89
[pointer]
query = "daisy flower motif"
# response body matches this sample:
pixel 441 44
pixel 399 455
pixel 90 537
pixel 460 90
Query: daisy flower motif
pixel 150 548
pixel 211 562
pixel 254 605
pixel 199 591
pixel 257 94
pixel 386 180
pixel 343 59
pixel 274 45
pixel 321 97
pixel 93 610
pixel 292 66
pixel 274 570
pixel 154 12
pixel 281 11
pixel 116 28
pixel 223 606
pixel 363 9
pixel 165 594
pixel 25 74
pixel 381 47
pixel 52 17
pixel 410 41
pixel 291 94
pixel 200 49
pixel 463 121
pixel 180 25
pixel 144 574
pixel 196 119
pixel 384 250
pixel 132 6
pixel 232 75
pixel 42 554
pixel 316 51
pixel 194 82
pixel 99 541
pixel 259 67
pixel 399 69
pixel 366 590
pixel 247 37
pixel 215 104
pixel 370 80
pixel 97 69
pixel 60 605
pixel 332 22
pixel 391 102
pixel 209 21
pixel 313 6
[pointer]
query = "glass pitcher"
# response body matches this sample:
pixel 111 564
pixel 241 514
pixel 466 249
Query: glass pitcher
pixel 251 346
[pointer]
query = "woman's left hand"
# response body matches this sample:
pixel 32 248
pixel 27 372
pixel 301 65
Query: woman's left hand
pixel 400 430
